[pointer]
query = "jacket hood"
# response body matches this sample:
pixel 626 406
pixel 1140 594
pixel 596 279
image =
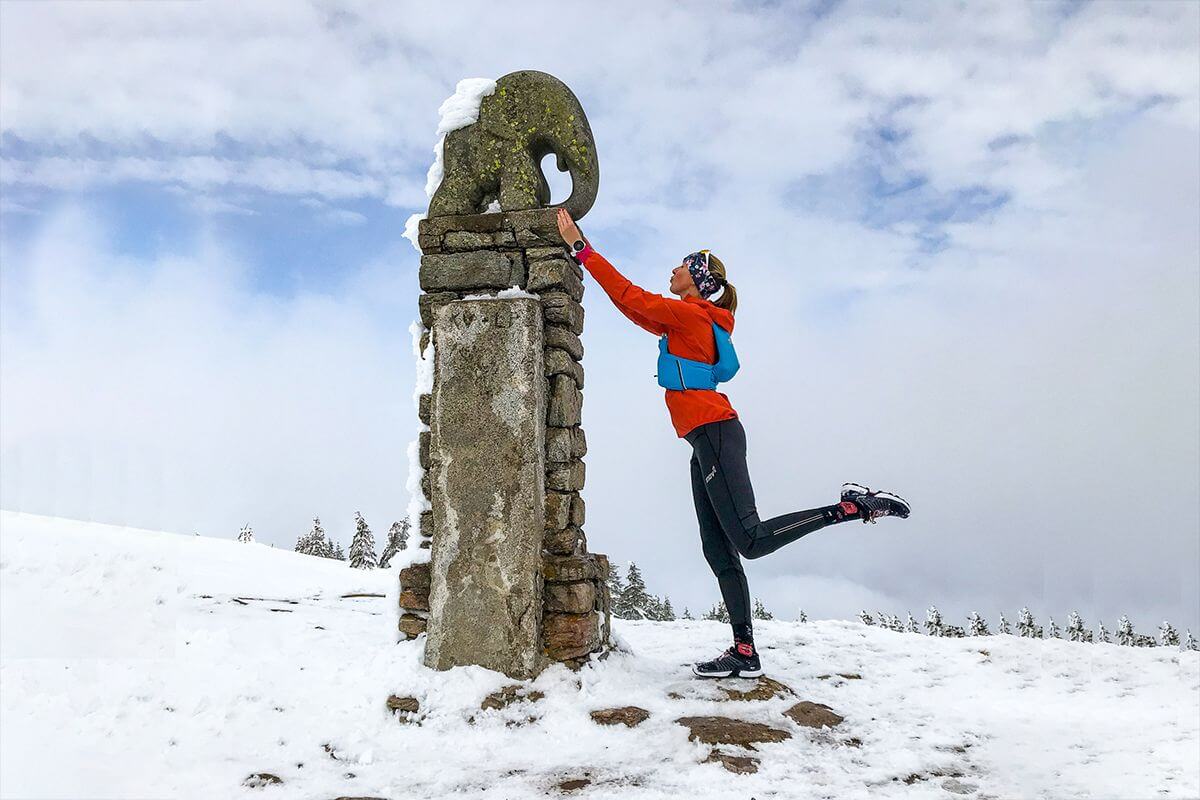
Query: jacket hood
pixel 717 314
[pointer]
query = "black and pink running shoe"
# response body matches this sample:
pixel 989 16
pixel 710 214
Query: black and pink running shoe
pixel 873 505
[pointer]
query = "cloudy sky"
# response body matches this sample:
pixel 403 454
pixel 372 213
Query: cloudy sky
pixel 966 244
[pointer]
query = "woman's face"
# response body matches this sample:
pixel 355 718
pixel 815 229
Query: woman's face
pixel 681 281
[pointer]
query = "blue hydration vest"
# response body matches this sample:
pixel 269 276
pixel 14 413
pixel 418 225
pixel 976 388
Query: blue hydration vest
pixel 684 373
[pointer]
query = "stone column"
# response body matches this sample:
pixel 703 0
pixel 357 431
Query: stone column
pixel 487 451
pixel 484 254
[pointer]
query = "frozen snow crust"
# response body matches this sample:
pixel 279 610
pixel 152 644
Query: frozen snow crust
pixel 145 664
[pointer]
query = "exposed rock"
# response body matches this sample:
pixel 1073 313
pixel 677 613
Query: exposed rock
pixel 571 598
pixel 573 784
pixel 566 542
pixel 566 403
pixel 558 510
pixel 813 715
pixel 507 695
pixel 577 510
pixel 412 626
pixel 423 449
pixel 415 576
pixel 466 240
pixel 742 765
pixel 559 362
pixel 558 307
pixel 429 302
pixel 571 568
pixel 850 676
pixel 725 730
pixel 414 600
pixel 557 276
pixel 569 635
pixel 409 705
pixel 423 408
pixel 558 336
pixel 478 269
pixel 762 688
pixel 258 780
pixel 629 716
pixel 485 596
pixel 568 478
pixel 560 443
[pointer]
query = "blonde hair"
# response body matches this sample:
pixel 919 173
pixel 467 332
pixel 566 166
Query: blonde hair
pixel 728 298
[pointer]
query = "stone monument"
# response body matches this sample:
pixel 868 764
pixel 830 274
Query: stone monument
pixel 510 584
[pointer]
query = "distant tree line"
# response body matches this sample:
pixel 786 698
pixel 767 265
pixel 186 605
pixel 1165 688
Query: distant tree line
pixel 631 600
pixel 362 546
pixel 1028 628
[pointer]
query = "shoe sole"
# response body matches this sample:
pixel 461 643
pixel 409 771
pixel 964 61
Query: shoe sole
pixel 850 489
pixel 733 673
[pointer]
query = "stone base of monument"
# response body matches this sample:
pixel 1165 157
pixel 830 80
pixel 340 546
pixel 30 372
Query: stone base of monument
pixel 510 584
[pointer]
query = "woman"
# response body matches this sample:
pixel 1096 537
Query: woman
pixel 729 523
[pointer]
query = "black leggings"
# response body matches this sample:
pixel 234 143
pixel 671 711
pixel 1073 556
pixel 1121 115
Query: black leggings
pixel 729 523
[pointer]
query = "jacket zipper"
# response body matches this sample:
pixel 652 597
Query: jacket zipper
pixel 679 367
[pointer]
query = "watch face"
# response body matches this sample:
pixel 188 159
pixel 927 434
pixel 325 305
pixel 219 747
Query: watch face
pixel 578 246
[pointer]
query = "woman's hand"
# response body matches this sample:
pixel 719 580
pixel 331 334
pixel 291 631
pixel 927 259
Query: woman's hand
pixel 567 227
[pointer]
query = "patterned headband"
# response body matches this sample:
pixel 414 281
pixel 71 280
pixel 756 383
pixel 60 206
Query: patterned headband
pixel 706 282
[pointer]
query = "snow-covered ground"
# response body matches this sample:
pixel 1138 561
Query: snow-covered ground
pixel 145 664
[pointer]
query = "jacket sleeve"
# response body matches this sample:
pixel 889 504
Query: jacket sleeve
pixel 650 311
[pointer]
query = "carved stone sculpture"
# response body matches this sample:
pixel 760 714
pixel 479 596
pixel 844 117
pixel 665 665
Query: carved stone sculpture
pixel 530 115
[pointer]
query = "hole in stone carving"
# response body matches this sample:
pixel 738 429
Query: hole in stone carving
pixel 560 182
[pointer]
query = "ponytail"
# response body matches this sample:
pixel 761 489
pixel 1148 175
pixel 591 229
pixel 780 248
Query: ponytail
pixel 728 298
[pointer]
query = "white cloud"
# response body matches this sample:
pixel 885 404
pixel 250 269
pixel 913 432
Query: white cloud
pixel 165 393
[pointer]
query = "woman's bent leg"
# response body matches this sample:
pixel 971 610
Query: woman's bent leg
pixel 720 449
pixel 722 558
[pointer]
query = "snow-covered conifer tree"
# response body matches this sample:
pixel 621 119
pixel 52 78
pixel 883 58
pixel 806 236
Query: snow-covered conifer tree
pixel 616 588
pixel 1167 635
pixel 977 625
pixel 635 602
pixel 362 546
pixel 1052 632
pixel 719 613
pixel 865 618
pixel 760 611
pixel 1076 632
pixel 313 543
pixel 1102 633
pixel 246 535
pixel 1125 634
pixel 397 541
pixel 910 625
pixel 1026 626
pixel 687 614
pixel 1190 642
pixel 1004 628
pixel 803 617
pixel 668 613
pixel 933 621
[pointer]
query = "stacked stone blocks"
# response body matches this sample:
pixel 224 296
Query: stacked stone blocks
pixel 481 254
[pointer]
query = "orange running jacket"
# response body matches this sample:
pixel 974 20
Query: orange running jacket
pixel 689 325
